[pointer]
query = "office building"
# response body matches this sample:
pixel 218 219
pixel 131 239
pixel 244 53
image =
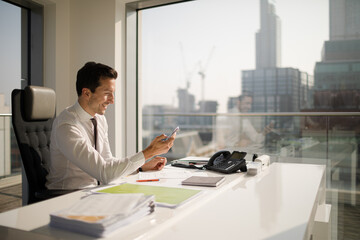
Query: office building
pixel 337 75
pixel 344 19
pixel 207 122
pixel 208 106
pixel 278 89
pixel 186 101
pixel 268 45
pixel 274 89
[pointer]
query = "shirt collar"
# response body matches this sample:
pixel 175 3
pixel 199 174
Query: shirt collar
pixel 83 115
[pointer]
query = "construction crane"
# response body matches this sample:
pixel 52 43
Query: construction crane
pixel 188 74
pixel 201 72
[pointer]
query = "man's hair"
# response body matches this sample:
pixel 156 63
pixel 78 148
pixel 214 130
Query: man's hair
pixel 90 74
pixel 244 95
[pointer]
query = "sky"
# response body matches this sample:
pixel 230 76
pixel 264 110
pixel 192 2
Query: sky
pixel 10 51
pixel 216 37
pixel 220 34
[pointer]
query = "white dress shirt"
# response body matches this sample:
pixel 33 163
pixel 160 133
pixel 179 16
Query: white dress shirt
pixel 75 163
pixel 231 130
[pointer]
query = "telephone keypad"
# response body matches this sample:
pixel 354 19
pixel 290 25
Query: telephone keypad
pixel 225 165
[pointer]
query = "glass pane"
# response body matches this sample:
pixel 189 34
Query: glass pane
pixel 222 49
pixel 10 68
pixel 10 57
pixel 197 58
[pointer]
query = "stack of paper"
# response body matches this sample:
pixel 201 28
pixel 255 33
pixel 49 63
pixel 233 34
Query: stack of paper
pixel 99 214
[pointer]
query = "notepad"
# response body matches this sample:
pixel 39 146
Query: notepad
pixel 203 181
pixel 164 196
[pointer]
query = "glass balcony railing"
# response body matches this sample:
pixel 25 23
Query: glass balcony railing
pixel 331 139
pixel 10 160
pixel 296 135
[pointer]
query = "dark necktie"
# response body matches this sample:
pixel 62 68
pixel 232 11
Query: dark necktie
pixel 94 122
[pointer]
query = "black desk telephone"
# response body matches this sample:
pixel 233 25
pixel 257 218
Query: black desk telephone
pixel 226 162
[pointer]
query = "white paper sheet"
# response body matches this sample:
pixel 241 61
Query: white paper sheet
pixel 175 174
pixel 115 204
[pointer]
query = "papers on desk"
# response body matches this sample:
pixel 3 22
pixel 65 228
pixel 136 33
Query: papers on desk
pixel 194 159
pixel 100 214
pixel 178 174
pixel 164 196
pixel 190 162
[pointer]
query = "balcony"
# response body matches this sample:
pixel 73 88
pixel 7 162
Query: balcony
pixel 10 160
pixel 331 139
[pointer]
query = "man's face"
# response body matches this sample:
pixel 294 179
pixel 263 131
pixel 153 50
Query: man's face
pixel 245 104
pixel 102 97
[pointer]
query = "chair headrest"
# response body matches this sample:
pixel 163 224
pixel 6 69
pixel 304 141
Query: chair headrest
pixel 39 103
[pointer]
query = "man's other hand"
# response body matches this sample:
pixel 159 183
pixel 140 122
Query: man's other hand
pixel 157 163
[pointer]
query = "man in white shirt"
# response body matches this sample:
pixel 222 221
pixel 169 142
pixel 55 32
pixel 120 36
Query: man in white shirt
pixel 77 160
pixel 239 131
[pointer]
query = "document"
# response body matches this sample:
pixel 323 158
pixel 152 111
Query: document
pixel 100 214
pixel 195 159
pixel 94 205
pixel 172 174
pixel 192 160
pixel 164 196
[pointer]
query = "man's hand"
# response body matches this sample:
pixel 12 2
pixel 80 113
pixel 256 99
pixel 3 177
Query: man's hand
pixel 268 128
pixel 157 163
pixel 158 146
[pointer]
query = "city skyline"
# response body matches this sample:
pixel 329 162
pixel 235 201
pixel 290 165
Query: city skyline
pixel 230 51
pixel 232 36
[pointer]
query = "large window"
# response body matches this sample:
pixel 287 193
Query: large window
pixel 297 60
pixel 197 57
pixel 203 46
pixel 10 57
pixel 11 75
pixel 21 63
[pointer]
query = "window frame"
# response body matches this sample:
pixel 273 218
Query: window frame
pixel 32 43
pixel 133 113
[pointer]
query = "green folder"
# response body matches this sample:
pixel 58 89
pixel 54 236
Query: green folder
pixel 164 196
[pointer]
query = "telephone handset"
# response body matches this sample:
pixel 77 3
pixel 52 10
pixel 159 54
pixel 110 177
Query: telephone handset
pixel 226 162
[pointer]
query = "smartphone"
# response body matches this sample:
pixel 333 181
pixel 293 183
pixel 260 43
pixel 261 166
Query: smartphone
pixel 175 130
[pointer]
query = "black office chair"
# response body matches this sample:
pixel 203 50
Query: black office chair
pixel 33 111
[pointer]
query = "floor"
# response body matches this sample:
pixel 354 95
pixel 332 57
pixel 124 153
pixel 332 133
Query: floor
pixel 349 223
pixel 10 197
pixel 348 216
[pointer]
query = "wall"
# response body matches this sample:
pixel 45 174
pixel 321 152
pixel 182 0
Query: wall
pixel 77 31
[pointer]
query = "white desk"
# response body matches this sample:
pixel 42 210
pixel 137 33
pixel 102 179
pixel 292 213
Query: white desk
pixel 280 203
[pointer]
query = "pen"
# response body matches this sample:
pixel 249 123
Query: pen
pixel 147 180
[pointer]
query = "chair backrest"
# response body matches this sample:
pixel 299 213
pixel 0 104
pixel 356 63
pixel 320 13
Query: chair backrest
pixel 33 111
